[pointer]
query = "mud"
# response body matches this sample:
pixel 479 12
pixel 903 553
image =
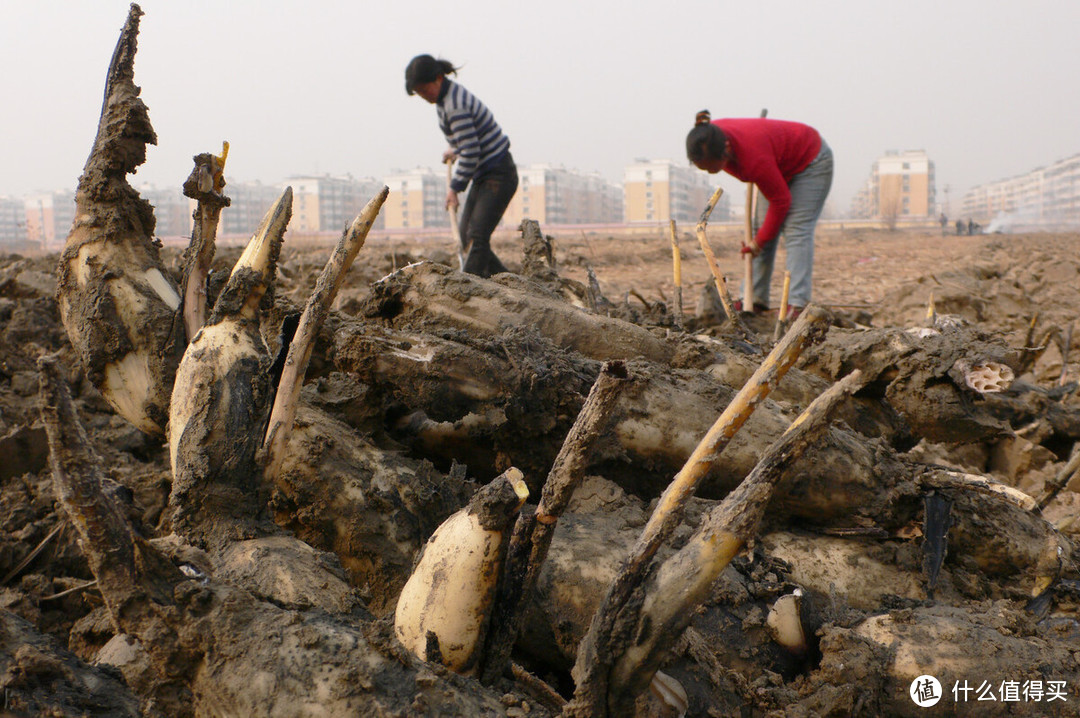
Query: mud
pixel 869 577
pixel 129 585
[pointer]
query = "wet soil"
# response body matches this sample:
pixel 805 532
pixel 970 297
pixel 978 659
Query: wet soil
pixel 998 283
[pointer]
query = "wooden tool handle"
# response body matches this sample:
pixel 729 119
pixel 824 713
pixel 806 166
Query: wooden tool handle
pixel 748 240
pixel 748 283
pixel 455 230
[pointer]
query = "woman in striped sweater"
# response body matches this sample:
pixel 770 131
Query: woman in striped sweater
pixel 483 158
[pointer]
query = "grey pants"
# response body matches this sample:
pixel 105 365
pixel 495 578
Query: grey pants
pixel 809 189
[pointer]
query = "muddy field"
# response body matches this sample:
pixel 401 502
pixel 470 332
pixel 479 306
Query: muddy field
pixel 352 480
pixel 872 280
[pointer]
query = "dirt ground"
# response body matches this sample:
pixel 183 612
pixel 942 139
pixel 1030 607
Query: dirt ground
pixel 870 278
pixel 852 268
pixel 886 276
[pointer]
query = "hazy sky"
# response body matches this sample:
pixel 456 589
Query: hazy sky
pixel 987 88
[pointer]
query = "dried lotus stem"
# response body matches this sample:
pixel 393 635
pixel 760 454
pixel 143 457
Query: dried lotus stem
pixel 676 263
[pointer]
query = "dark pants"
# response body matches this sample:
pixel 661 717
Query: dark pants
pixel 488 198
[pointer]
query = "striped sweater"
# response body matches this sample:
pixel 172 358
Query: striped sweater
pixel 471 130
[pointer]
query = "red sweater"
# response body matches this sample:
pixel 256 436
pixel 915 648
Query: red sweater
pixel 770 153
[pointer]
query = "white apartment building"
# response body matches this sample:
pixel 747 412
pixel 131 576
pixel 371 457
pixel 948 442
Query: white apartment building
pixel 554 195
pixel 248 204
pixel 1044 197
pixel 901 186
pixel 13 235
pixel 328 204
pixel 661 190
pixel 417 200
pixel 172 212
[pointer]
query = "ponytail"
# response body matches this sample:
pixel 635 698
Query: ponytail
pixel 706 141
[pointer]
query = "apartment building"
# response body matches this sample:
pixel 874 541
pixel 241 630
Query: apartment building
pixel 13 237
pixel 172 212
pixel 248 204
pixel 417 200
pixel 328 204
pixel 49 217
pixel 661 190
pixel 901 186
pixel 1045 197
pixel 553 195
pixel 1061 191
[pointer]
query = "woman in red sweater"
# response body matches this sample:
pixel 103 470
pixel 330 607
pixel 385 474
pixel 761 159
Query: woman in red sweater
pixel 792 166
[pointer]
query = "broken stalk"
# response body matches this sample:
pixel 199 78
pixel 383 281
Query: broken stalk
pixel 718 277
pixel 1032 353
pixel 1062 479
pixel 204 185
pixel 781 318
pixel 532 535
pixel 311 321
pixel 649 625
pixel 595 648
pixel 119 559
pixel 1065 345
pixel 1027 357
pixel 761 383
pixel 676 262
pixel 1031 329
pixel 33 554
pixel 784 296
pixel 937 518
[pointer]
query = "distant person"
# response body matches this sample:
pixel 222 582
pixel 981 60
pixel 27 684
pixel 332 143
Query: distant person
pixel 483 158
pixel 971 226
pixel 793 167
pixel 959 227
pixel 943 221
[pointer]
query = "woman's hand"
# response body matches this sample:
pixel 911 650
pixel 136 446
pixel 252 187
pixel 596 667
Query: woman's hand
pixel 451 200
pixel 448 155
pixel 753 249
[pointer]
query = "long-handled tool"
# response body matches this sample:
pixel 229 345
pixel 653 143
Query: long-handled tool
pixel 748 258
pixel 455 230
pixel 748 240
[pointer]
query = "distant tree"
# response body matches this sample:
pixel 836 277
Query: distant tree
pixel 890 211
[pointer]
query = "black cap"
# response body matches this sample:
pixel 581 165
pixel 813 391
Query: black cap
pixel 421 69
